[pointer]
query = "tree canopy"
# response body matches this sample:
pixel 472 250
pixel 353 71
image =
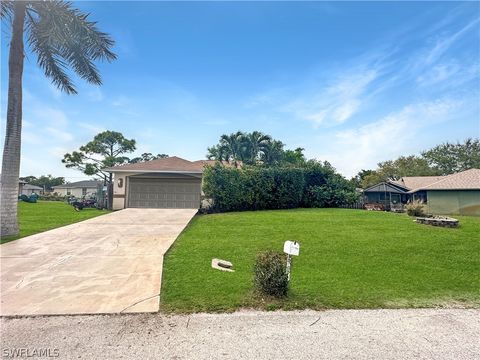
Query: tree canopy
pixel 449 158
pixel 107 149
pixel 444 159
pixel 45 181
pixel 147 157
pixel 255 148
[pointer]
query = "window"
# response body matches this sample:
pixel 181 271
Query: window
pixel 69 192
pixel 84 191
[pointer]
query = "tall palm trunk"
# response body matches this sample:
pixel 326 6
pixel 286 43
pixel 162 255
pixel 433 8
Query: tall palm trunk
pixel 11 150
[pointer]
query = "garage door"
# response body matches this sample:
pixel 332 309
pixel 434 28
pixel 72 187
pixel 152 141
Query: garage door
pixel 164 193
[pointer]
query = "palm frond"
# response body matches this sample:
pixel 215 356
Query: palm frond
pixel 63 38
pixel 6 10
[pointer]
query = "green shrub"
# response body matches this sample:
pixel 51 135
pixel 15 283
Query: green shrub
pixel 271 274
pixel 52 197
pixel 257 188
pixel 415 208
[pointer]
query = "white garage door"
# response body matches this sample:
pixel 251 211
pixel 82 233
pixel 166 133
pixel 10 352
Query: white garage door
pixel 164 193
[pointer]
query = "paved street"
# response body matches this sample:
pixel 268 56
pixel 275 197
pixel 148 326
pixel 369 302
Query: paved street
pixel 336 334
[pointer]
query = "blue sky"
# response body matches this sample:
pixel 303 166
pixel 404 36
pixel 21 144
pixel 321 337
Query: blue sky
pixel 352 83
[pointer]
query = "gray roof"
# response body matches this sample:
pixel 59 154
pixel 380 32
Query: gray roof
pixel 79 184
pixel 31 187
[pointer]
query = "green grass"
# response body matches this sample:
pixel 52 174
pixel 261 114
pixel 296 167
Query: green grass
pixel 348 259
pixel 45 215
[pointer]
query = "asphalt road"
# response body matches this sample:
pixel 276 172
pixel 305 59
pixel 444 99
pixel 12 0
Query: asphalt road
pixel 336 334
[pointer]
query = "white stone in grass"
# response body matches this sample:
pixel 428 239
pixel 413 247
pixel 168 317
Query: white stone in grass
pixel 223 265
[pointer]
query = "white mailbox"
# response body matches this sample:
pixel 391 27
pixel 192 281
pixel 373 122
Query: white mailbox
pixel 291 248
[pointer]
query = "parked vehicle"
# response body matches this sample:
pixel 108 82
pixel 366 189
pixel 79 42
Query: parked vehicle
pixel 86 202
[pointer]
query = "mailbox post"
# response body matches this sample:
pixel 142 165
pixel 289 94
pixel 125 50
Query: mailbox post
pixel 290 248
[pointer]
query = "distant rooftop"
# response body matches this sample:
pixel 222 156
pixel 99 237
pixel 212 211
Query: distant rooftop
pixel 79 184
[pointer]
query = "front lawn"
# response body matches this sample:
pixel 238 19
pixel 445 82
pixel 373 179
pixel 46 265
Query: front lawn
pixel 348 259
pixel 45 215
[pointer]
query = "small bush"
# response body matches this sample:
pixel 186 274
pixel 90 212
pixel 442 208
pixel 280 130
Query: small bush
pixel 271 274
pixel 416 208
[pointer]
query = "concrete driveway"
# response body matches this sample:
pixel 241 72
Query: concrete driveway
pixel 108 264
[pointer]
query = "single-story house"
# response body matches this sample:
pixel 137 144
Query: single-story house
pixel 452 194
pixel 28 189
pixel 78 189
pixel 170 182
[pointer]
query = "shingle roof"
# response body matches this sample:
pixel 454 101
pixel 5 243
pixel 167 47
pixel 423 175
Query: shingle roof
pixel 465 180
pixel 414 182
pixel 79 184
pixel 170 164
pixel 31 187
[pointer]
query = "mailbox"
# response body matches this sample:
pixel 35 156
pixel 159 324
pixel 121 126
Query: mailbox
pixel 291 248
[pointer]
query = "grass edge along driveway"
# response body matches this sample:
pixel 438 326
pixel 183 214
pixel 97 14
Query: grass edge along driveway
pixel 348 259
pixel 47 215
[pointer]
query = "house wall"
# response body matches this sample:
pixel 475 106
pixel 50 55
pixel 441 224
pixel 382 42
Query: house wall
pixel 462 202
pixel 77 192
pixel 120 194
pixel 30 191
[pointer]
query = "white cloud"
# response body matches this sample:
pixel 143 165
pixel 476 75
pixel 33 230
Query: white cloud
pixel 95 94
pixel 336 103
pixel 92 129
pixel 60 135
pixel 386 138
pixel 444 43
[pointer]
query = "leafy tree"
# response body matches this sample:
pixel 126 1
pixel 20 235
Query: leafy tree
pixel 449 158
pixel 62 37
pixel 45 181
pixel 395 169
pixel 147 157
pixel 294 157
pixel 360 177
pixel 107 149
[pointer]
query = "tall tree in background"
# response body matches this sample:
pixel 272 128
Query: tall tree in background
pixel 252 149
pixel 395 169
pixel 147 157
pixel 107 149
pixel 449 158
pixel 256 144
pixel 62 38
pixel 45 181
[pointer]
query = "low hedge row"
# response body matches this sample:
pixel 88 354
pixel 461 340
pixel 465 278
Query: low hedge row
pixel 258 188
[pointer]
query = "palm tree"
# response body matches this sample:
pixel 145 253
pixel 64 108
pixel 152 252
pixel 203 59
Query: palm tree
pixel 62 38
pixel 232 147
pixel 257 143
pixel 273 152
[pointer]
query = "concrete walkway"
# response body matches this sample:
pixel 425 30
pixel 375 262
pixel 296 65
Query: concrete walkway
pixel 336 334
pixel 108 264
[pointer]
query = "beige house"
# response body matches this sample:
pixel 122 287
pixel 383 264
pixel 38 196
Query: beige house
pixel 171 182
pixel 78 189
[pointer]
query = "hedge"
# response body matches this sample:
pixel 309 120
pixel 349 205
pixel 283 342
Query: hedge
pixel 258 188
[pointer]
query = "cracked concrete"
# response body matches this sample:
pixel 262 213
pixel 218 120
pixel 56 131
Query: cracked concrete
pixel 107 264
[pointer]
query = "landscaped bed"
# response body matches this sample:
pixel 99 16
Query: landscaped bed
pixel 348 259
pixel 45 215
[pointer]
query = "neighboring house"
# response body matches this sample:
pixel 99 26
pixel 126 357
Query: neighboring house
pixel 77 189
pixel 452 194
pixel 171 182
pixel 28 189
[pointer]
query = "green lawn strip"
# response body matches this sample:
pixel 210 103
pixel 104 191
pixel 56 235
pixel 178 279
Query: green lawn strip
pixel 45 215
pixel 348 259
